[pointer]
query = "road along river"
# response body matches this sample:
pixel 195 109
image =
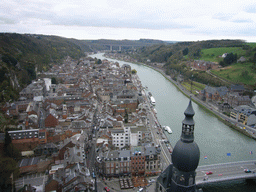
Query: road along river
pixel 217 142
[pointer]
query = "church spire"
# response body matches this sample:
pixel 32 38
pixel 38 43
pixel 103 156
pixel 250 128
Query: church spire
pixel 188 124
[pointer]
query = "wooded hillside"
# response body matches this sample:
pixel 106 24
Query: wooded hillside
pixel 177 58
pixel 21 55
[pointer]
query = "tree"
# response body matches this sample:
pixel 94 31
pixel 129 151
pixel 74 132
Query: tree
pixel 98 61
pixel 7 143
pixel 54 80
pixel 230 58
pixel 134 71
pixel 185 51
pixel 8 171
pixel 9 149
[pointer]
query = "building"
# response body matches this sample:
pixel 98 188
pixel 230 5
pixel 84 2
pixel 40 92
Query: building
pixel 152 160
pixel 46 149
pixel 138 161
pixel 120 137
pixel 180 175
pixel 124 162
pixel 213 93
pixel 234 99
pixel 242 112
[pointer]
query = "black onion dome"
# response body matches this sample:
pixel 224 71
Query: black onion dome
pixel 185 156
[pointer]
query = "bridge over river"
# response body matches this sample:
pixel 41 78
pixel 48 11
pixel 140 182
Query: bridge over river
pixel 225 172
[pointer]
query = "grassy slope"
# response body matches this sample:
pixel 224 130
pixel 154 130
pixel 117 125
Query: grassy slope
pixel 214 54
pixel 233 72
pixel 195 86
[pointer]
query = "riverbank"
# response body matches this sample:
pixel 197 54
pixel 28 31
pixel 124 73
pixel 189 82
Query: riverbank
pixel 206 105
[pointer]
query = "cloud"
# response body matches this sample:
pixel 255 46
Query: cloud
pixel 4 20
pixel 250 8
pixel 242 21
pixel 194 18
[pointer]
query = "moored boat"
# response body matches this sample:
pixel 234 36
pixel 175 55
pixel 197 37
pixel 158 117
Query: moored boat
pixel 168 129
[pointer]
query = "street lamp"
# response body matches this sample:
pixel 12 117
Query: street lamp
pixel 191 84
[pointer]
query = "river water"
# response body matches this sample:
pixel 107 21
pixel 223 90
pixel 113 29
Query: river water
pixel 214 138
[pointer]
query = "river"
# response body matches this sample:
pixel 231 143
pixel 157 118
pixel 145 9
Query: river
pixel 214 138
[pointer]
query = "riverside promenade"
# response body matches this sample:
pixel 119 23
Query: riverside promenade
pixel 246 130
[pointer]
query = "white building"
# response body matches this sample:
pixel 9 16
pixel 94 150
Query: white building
pixel 121 137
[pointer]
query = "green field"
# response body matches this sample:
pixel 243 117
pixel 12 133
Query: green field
pixel 235 73
pixel 214 54
pixel 196 87
pixel 253 45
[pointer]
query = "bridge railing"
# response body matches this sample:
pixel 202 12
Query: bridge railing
pixel 226 164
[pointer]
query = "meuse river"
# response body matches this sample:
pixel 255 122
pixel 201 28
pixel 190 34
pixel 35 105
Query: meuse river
pixel 217 142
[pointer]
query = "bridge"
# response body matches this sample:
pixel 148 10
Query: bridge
pixel 220 172
pixel 225 172
pixel 116 47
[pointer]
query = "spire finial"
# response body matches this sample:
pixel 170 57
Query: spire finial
pixel 189 111
pixel 188 124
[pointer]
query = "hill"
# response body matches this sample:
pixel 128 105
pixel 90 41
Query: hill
pixel 179 56
pixel 23 55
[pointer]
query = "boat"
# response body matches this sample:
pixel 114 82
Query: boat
pixel 168 129
pixel 155 111
pixel 152 100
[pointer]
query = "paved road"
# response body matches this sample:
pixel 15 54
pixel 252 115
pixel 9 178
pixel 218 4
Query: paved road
pixel 158 136
pixel 251 131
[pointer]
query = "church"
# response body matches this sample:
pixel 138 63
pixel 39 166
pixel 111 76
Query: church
pixel 180 175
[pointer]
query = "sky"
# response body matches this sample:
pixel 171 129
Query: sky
pixel 168 20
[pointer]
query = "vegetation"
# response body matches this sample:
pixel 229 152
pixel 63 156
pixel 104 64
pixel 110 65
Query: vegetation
pixel 196 87
pixel 178 56
pixel 238 73
pixel 8 163
pixel 98 61
pixel 134 71
pixel 22 56
pixel 214 54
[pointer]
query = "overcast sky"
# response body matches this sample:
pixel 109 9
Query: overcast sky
pixel 174 20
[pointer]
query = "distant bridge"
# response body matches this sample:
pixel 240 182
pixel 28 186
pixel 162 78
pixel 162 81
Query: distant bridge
pixel 115 47
pixel 225 172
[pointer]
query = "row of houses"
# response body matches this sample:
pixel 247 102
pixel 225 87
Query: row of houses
pixel 232 100
pixel 139 160
pixel 232 96
pixel 245 115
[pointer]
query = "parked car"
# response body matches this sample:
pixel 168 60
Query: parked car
pixel 152 180
pixel 208 173
pixel 247 171
pixel 106 189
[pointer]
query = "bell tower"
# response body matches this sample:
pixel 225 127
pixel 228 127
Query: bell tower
pixel 185 156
